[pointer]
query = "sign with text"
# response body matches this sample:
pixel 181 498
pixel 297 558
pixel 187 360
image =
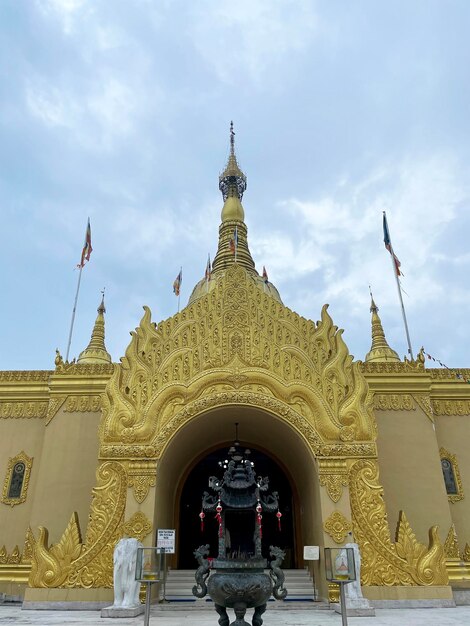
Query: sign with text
pixel 166 540
pixel 311 553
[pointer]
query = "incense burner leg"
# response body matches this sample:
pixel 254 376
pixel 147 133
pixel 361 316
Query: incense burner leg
pixel 259 610
pixel 240 610
pixel 222 611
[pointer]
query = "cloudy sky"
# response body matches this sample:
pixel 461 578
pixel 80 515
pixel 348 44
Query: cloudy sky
pixel 119 110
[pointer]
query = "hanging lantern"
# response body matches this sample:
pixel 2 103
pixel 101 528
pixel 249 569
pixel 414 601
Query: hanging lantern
pixel 279 515
pixel 202 515
pixel 259 518
pixel 218 517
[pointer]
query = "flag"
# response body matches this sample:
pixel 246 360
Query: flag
pixel 177 283
pixel 87 249
pixel 388 245
pixel 208 268
pixel 265 275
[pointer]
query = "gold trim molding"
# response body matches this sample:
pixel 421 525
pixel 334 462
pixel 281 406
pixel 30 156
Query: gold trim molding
pixel 394 402
pixel 22 457
pixel 451 407
pixel 138 526
pixel 19 410
pixel 453 497
pixel 82 404
pixel 141 476
pixel 337 526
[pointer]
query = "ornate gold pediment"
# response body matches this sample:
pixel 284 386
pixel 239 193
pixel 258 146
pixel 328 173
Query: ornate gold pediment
pixel 242 338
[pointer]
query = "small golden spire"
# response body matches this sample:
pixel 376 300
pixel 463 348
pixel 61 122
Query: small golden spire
pixel 96 350
pixel 380 350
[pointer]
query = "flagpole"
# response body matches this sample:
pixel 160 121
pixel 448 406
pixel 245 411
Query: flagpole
pixel 73 313
pixel 392 256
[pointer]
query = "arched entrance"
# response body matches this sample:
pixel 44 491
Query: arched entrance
pixel 241 524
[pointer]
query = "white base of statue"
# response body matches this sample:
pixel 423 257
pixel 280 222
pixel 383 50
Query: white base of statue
pixel 119 611
pixel 360 607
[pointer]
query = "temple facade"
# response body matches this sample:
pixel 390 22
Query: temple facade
pixel 372 451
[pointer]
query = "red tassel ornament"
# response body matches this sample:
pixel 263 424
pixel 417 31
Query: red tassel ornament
pixel 218 517
pixel 259 519
pixel 279 515
pixel 202 515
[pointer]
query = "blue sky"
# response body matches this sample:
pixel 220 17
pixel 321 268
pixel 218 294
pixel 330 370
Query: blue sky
pixel 119 110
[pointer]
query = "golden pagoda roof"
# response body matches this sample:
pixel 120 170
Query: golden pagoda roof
pixel 232 184
pixel 380 350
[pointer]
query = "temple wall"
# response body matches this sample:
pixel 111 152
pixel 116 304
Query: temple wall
pixel 410 472
pixel 66 472
pixel 19 435
pixel 453 434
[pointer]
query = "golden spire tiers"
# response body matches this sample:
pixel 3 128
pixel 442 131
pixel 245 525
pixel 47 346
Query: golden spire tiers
pixel 96 351
pixel 380 350
pixel 232 184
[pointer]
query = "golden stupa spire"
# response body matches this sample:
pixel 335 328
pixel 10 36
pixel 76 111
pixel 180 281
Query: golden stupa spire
pixel 380 351
pixel 232 184
pixel 96 350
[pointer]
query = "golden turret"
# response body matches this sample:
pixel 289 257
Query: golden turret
pixel 380 350
pixel 233 241
pixel 96 350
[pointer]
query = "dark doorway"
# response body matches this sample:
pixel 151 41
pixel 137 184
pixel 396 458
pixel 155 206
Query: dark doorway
pixel 190 535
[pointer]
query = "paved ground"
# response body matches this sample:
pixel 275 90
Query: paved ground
pixel 459 616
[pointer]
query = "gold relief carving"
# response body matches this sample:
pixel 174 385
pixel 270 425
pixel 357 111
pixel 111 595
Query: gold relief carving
pixel 73 564
pixel 11 559
pixel 83 404
pixel 450 407
pixel 138 526
pixel 54 405
pixel 405 562
pixel 466 553
pixel 28 547
pixel 452 459
pixel 333 475
pixel 394 367
pixel 84 369
pixel 337 526
pixel 24 459
pixel 451 544
pixel 393 402
pixel 18 410
pixel 333 592
pixel 449 373
pixel 424 402
pixel 141 476
pixel 50 566
pixel 231 333
pixel 25 376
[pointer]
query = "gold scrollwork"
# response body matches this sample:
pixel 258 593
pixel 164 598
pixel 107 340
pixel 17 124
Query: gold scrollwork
pixel 141 476
pixel 452 459
pixel 405 562
pixel 138 526
pixel 53 407
pixel 337 526
pixel 20 459
pixel 466 553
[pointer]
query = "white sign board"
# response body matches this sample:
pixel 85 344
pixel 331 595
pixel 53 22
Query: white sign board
pixel 166 539
pixel 311 553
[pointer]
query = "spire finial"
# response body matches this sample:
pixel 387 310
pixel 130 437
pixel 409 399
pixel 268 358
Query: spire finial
pixel 373 307
pixel 232 181
pixel 232 140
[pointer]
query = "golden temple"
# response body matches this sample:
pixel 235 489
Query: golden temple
pixel 373 452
